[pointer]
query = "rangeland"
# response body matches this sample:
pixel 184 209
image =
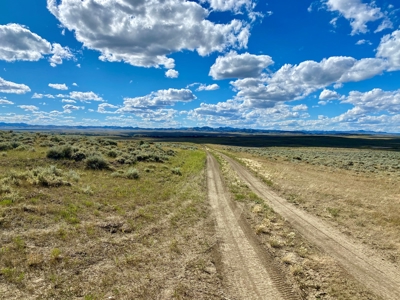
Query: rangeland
pixel 124 217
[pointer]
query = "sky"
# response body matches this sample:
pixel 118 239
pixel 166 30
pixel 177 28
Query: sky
pixel 282 65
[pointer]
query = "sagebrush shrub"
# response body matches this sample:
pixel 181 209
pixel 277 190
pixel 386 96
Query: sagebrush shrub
pixel 60 152
pixel 96 162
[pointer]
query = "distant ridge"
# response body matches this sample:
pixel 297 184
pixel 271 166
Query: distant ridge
pixel 24 126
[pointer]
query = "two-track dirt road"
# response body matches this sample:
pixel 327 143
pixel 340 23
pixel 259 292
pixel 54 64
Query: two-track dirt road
pixel 381 277
pixel 248 270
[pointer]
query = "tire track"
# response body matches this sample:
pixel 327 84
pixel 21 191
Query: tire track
pixel 380 276
pixel 249 272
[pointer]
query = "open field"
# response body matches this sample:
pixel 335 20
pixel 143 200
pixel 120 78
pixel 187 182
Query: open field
pixel 90 218
pixel 118 217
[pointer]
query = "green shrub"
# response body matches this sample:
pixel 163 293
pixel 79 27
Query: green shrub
pixel 132 174
pixel 78 155
pixel 96 162
pixel 60 152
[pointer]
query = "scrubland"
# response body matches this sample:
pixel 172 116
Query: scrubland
pixel 96 218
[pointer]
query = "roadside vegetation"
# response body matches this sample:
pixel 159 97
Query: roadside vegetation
pixel 98 218
pixel 355 190
pixel 314 273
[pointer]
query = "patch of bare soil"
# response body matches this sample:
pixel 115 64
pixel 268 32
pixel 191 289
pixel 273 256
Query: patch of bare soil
pixel 248 271
pixel 361 262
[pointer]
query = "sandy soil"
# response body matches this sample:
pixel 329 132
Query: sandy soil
pixel 248 271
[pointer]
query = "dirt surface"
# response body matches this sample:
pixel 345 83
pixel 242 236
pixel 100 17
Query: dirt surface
pixel 248 271
pixel 380 276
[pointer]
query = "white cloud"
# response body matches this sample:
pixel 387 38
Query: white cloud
pixel 68 101
pixel 328 95
pixel 234 113
pixel 365 68
pixel 362 42
pixel 4 101
pixel 234 65
pixel 60 53
pixel 301 107
pixel 75 84
pixel 19 43
pixel 294 82
pixel 157 100
pixel 84 96
pixel 69 108
pixel 40 96
pixel 144 33
pixel 374 101
pixel 102 108
pixel 31 108
pixel 171 73
pixel 13 88
pixel 58 86
pixel 359 14
pixel 389 48
pixel 211 87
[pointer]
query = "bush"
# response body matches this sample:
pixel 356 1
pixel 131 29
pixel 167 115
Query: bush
pixel 112 154
pixel 78 156
pixel 132 174
pixel 64 152
pixel 96 162
pixel 5 146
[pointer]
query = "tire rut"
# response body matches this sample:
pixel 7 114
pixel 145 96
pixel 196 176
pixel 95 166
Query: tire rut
pixel 249 271
pixel 380 276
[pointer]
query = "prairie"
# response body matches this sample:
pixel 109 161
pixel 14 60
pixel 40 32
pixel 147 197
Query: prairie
pixel 95 218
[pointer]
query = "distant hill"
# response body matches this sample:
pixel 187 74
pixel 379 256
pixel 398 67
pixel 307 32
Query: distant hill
pixel 188 130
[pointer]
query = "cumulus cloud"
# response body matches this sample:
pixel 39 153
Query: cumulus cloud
pixel 84 96
pixel 13 88
pixel 68 101
pixel 5 101
pixel 234 65
pixel 60 53
pixel 102 108
pixel 58 86
pixel 374 101
pixel 157 100
pixel 362 42
pixel 40 96
pixel 294 82
pixel 144 33
pixel 359 14
pixel 234 113
pixel 75 84
pixel 328 95
pixel 389 48
pixel 301 107
pixel 204 87
pixel 230 5
pixel 19 43
pixel 30 108
pixel 69 108
pixel 171 73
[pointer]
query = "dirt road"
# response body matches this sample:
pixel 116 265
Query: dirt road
pixel 380 276
pixel 248 271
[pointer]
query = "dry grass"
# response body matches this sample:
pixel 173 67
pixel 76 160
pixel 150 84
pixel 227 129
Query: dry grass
pixel 100 236
pixel 363 205
pixel 315 274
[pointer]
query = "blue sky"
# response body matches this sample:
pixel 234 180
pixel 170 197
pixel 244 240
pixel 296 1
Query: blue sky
pixel 290 65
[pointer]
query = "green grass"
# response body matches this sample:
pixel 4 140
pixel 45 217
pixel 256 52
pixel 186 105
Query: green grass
pixel 75 238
